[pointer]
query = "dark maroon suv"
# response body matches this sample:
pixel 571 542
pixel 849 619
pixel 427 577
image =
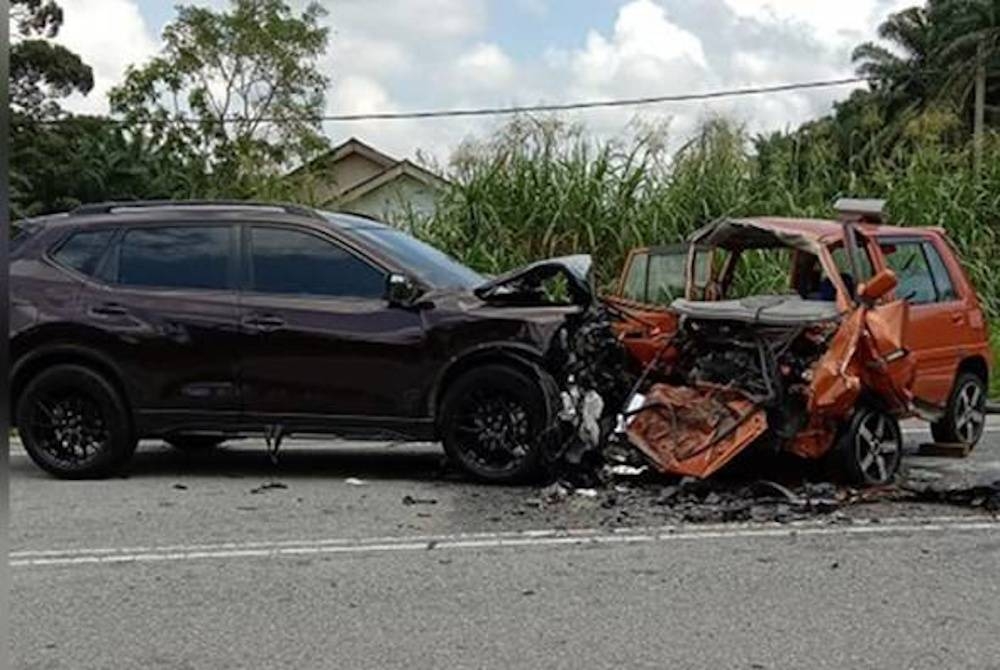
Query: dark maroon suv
pixel 198 322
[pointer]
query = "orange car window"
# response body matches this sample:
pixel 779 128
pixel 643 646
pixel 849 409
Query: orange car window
pixel 908 260
pixel 939 273
pixel 634 287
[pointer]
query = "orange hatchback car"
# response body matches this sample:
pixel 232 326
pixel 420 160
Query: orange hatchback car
pixel 871 323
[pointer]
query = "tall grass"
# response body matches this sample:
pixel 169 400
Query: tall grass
pixel 540 187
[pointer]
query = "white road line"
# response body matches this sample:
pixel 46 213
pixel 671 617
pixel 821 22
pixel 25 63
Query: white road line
pixel 927 430
pixel 465 541
pixel 513 534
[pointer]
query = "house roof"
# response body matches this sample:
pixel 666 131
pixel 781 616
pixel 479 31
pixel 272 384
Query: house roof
pixel 402 168
pixel 392 169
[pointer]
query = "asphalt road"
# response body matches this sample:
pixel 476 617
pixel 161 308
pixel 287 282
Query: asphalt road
pixel 355 556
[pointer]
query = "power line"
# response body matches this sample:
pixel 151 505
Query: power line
pixel 592 104
pixel 527 109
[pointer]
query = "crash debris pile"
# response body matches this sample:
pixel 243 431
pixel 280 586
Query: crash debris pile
pixel 978 496
pixel 637 499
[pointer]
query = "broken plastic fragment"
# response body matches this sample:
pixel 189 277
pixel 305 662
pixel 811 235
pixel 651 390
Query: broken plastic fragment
pixel 623 470
pixel 635 403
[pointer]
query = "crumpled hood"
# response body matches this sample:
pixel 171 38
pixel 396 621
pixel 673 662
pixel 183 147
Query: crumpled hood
pixel 575 268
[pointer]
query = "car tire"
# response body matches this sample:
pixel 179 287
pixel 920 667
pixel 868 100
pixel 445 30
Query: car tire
pixel 870 448
pixel 493 424
pixel 965 416
pixel 74 424
pixel 193 443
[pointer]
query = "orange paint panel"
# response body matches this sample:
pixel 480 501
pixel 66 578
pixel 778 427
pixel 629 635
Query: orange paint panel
pixel 836 385
pixel 888 369
pixel 695 431
pixel 644 330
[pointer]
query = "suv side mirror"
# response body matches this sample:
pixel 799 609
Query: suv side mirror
pixel 878 286
pixel 400 290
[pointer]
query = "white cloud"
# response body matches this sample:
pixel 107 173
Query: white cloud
pixel 109 35
pixel 830 20
pixel 424 54
pixel 355 94
pixel 485 65
pixel 646 48
pixel 366 55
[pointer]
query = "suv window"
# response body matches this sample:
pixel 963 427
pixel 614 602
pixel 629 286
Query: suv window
pixel 918 282
pixel 299 263
pixel 175 257
pixel 83 251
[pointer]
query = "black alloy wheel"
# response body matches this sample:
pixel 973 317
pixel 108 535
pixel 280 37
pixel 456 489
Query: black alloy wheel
pixel 493 424
pixel 73 424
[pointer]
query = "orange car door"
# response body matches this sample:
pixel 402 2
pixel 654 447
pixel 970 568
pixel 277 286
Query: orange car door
pixel 936 332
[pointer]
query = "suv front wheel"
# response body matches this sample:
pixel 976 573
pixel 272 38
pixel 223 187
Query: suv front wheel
pixel 494 423
pixel 73 423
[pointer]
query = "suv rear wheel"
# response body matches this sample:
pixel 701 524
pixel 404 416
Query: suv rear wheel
pixel 493 422
pixel 74 424
pixel 965 417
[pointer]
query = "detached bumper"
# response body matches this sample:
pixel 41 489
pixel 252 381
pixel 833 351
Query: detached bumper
pixel 695 431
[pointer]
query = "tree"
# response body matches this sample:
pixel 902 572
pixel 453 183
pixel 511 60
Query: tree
pixel 42 72
pixel 221 80
pixel 907 73
pixel 972 37
pixel 931 61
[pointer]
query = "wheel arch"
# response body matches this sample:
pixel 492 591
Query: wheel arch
pixel 29 365
pixel 521 357
pixel 976 365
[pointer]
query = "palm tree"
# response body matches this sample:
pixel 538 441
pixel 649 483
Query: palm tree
pixel 971 38
pixel 907 71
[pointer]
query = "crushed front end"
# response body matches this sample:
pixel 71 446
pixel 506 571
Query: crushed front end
pixel 783 373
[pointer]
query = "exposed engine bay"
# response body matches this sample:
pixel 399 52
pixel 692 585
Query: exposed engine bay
pixel 729 383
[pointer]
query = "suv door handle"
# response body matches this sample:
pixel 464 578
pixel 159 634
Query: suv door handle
pixel 108 309
pixel 958 318
pixel 263 323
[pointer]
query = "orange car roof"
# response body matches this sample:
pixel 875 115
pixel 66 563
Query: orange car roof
pixel 827 230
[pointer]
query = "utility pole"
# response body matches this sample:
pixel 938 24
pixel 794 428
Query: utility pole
pixel 979 121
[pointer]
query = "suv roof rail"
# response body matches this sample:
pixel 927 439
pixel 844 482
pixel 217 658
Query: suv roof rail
pixel 861 210
pixel 112 206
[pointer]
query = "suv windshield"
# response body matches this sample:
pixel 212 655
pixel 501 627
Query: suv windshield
pixel 429 264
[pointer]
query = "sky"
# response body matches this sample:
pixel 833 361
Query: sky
pixel 399 55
